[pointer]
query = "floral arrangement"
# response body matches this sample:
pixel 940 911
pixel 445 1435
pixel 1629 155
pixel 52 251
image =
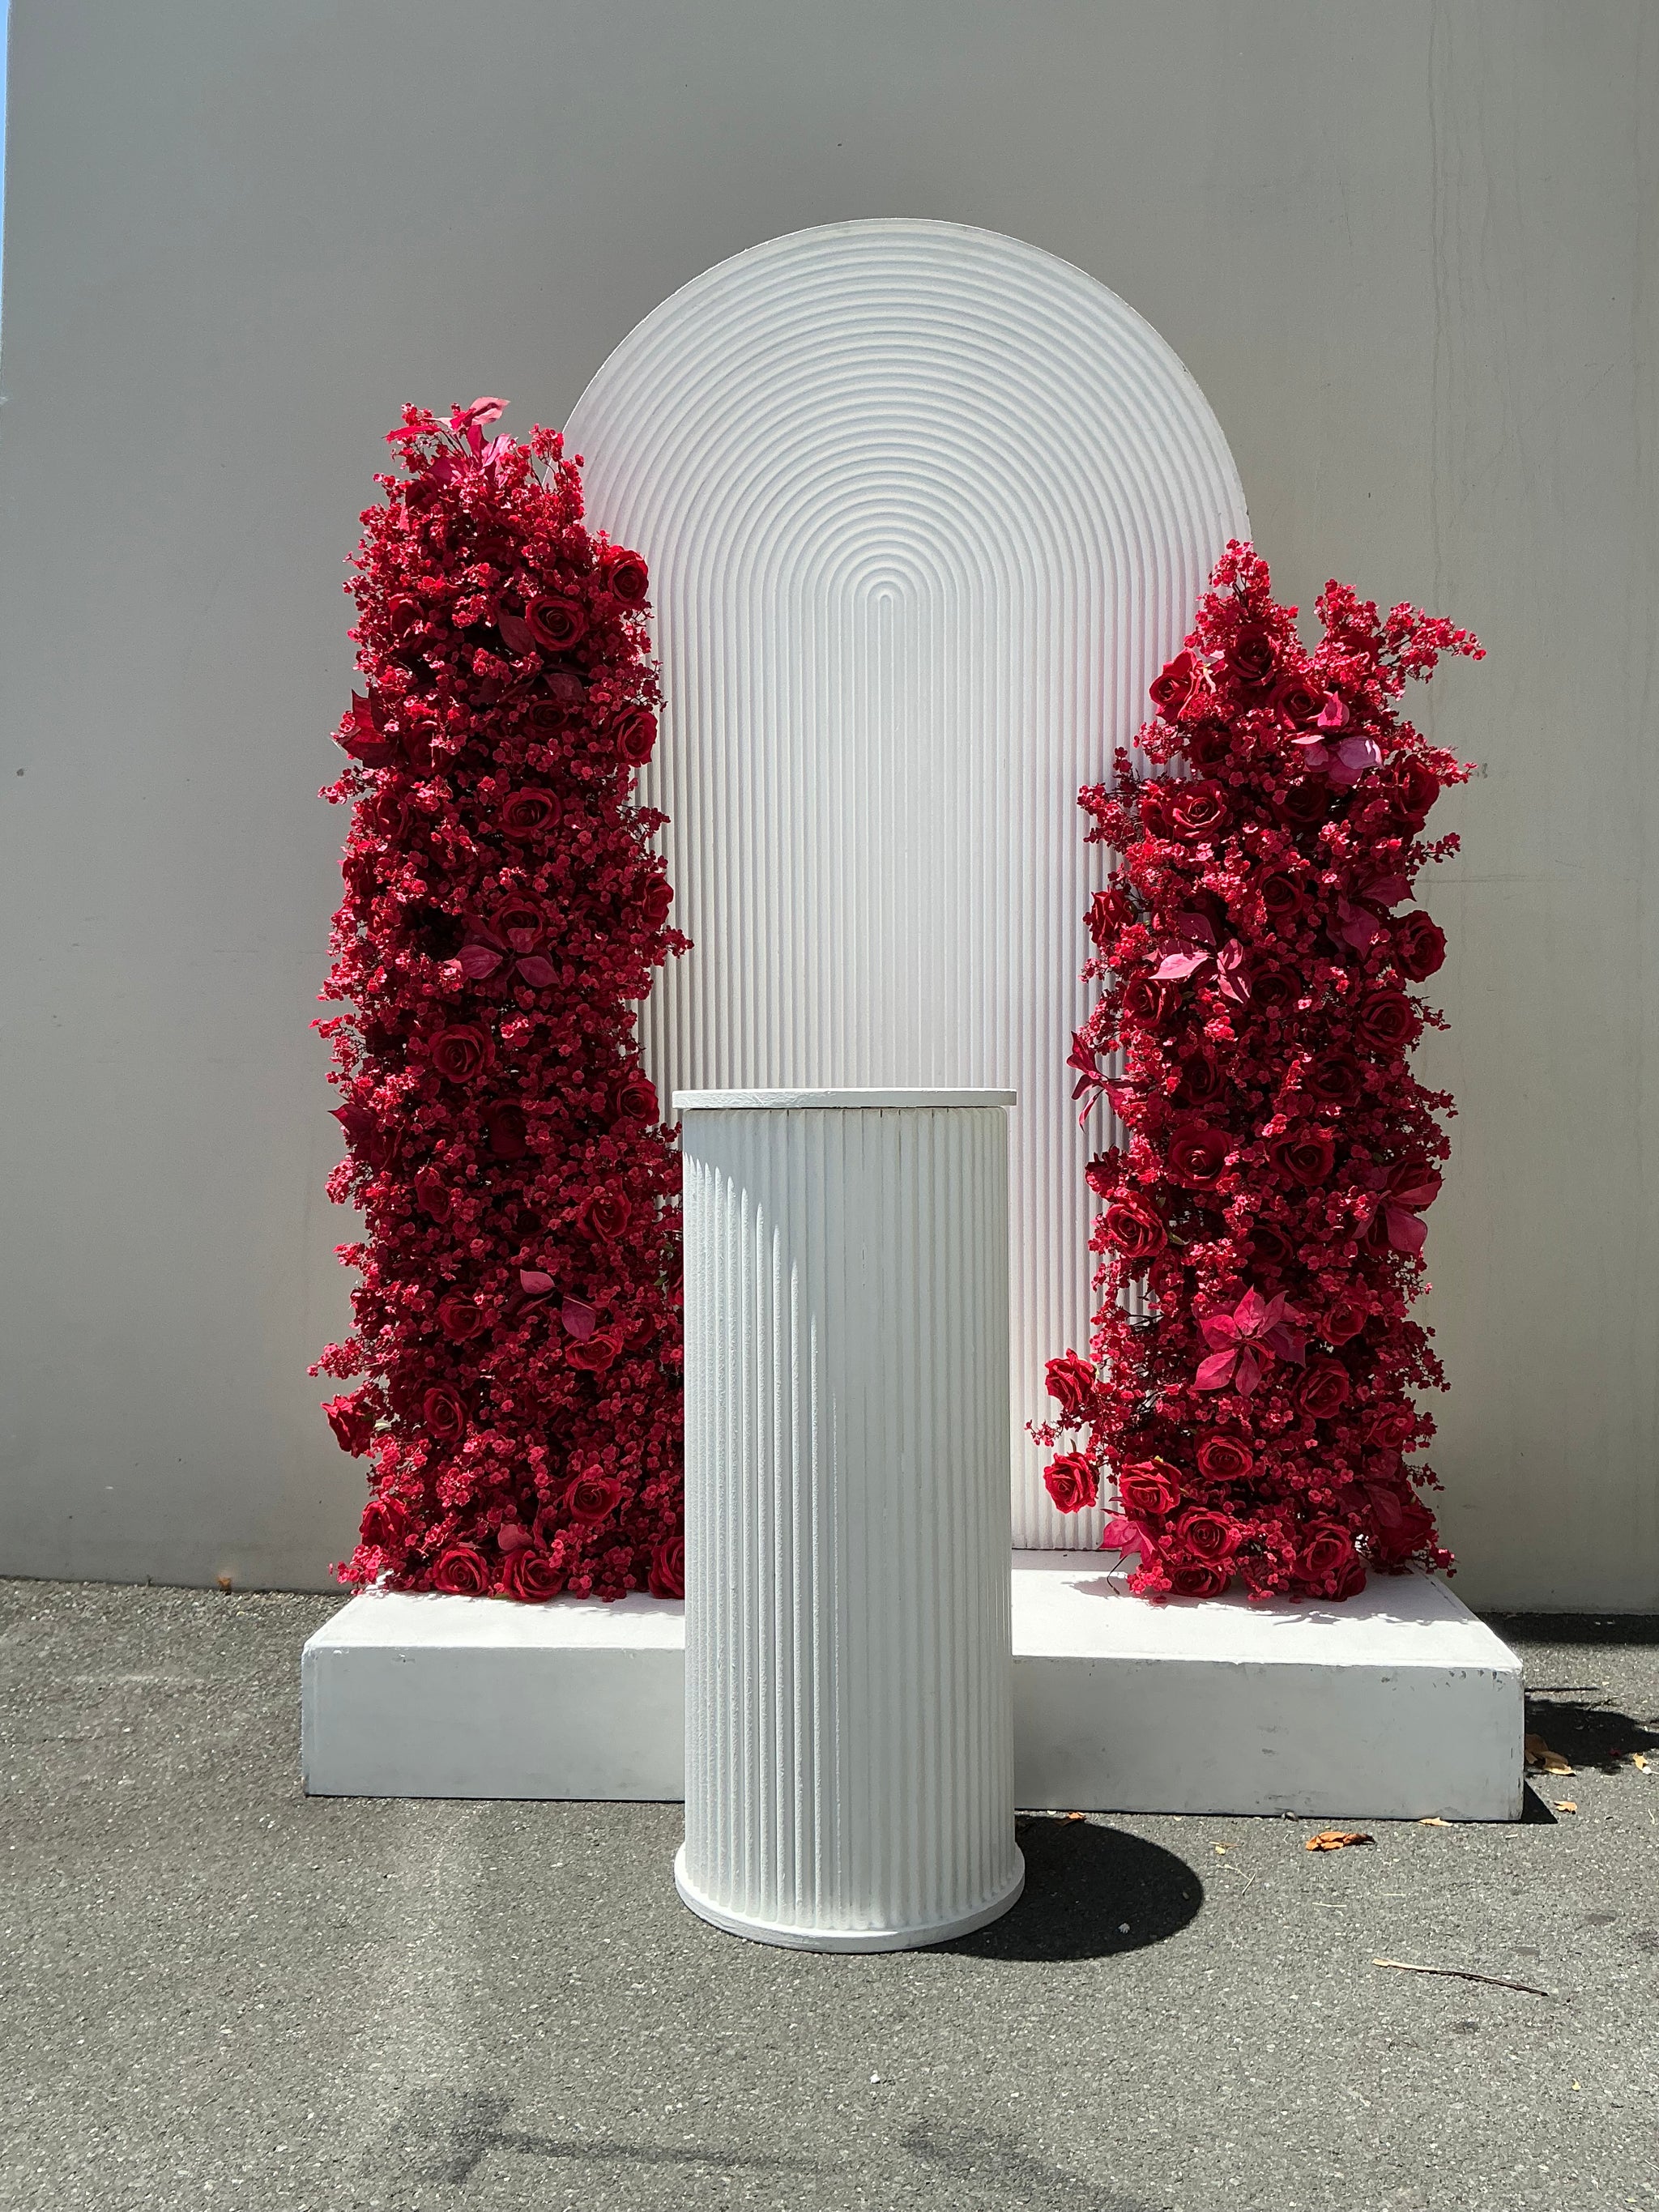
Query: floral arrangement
pixel 518 1319
pixel 1251 1370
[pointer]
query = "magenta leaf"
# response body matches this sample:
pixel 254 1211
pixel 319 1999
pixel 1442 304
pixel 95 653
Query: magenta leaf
pixel 533 1283
pixel 1407 1233
pixel 1122 1535
pixel 1177 966
pixel 578 1318
pixel 478 961
pixel 516 634
pixel 1220 1331
pixel 1216 1372
pixel 1250 1372
pixel 1333 714
pixel 538 972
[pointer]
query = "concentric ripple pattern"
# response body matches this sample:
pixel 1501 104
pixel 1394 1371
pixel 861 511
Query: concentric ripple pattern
pixel 926 510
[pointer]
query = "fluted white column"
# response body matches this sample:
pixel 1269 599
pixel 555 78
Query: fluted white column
pixel 849 1758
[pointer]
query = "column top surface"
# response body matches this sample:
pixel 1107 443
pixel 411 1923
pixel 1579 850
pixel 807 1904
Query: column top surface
pixel 752 1101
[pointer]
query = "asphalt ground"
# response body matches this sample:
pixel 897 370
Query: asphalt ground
pixel 214 1992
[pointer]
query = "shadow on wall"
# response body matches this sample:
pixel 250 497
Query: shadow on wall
pixel 1090 1894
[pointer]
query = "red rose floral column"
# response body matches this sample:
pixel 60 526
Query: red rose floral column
pixel 518 1318
pixel 1253 1361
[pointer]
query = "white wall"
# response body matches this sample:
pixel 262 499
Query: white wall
pixel 1407 251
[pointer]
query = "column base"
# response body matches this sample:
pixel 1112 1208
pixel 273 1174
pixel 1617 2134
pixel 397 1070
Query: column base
pixel 847 1939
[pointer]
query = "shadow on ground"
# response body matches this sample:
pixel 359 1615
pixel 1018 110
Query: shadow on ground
pixel 1589 1734
pixel 1091 1892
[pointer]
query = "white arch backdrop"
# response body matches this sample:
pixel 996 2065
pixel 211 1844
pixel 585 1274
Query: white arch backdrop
pixel 926 510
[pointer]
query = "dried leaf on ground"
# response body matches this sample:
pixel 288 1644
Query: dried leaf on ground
pixel 1637 1759
pixel 1539 1754
pixel 1566 1805
pixel 1433 1820
pixel 1336 1840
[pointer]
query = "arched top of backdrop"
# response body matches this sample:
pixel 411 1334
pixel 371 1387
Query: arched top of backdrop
pixel 926 510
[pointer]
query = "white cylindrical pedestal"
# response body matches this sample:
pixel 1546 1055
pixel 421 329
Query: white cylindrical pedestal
pixel 848 1672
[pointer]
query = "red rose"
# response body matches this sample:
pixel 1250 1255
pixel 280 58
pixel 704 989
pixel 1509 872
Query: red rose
pixel 463 1054
pixel 1390 1427
pixel 1196 810
pixel 1147 1492
pixel 372 1144
pixel 1306 1156
pixel 530 1575
pixel 666 1577
pixel 1404 1527
pixel 1270 1247
pixel 1327 1551
pixel 1404 798
pixel 594 1354
pixel 458 1317
pixel 1281 895
pixel 627 577
pixel 1253 657
pixel 443 1412
pixel 1272 991
pixel 592 1498
pixel 526 814
pixel 1224 1459
pixel 386 1523
pixel 605 1213
pixel 1208 1535
pixel 1418 946
pixel 1146 1002
pixel 353 1424
pixel 1345 1320
pixel 1133 1228
pixel 633 1099
pixel 635 737
pixel 655 900
pixel 1298 698
pixel 1109 912
pixel 1197 1155
pixel 1200 1080
pixel 462 1571
pixel 557 622
pixel 518 924
pixel 1199 1581
pixel 1333 1079
pixel 1071 1381
pixel 1305 805
pixel 1070 1481
pixel 1325 1390
pixel 1385 1020
pixel 431 1195
pixel 508 1131
pixel 1174 686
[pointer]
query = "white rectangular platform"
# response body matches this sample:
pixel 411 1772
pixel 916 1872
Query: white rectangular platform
pixel 1396 1705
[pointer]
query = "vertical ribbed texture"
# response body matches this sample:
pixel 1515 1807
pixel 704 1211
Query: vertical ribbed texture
pixel 926 510
pixel 849 1763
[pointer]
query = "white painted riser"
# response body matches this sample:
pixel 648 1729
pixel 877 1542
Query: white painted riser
pixel 1395 1705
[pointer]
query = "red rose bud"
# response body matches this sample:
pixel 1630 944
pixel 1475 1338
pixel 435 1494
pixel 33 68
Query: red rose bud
pixel 1071 1381
pixel 655 901
pixel 1198 1580
pixel 386 1523
pixel 666 1575
pixel 1070 1481
pixel 1108 913
pixel 353 1424
pixel 1253 659
pixel 1385 1021
pixel 1177 683
pixel 635 1099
